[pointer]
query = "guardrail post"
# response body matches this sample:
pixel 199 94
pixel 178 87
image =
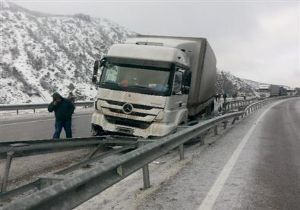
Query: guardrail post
pixel 202 142
pixel 225 124
pixel 146 177
pixel 6 171
pixel 234 119
pixel 181 152
pixel 216 130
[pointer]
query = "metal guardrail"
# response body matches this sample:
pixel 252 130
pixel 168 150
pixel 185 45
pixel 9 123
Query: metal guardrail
pixel 36 147
pixel 16 107
pixel 235 104
pixel 70 192
pixel 10 150
pixel 33 107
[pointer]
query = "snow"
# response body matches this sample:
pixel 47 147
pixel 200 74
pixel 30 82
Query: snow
pixel 43 53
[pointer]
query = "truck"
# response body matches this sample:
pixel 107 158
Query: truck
pixel 263 91
pixel 150 85
pixel 297 91
pixel 274 90
pixel 277 90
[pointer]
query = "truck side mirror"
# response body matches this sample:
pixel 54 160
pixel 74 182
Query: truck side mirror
pixel 95 72
pixel 187 76
pixel 98 64
pixel 186 83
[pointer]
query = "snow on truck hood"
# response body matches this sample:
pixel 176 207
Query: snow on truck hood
pixel 148 52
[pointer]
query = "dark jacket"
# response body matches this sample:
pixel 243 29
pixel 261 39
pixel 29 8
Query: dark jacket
pixel 63 110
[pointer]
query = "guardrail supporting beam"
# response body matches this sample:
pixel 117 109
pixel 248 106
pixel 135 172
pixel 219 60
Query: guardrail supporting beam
pixel 6 171
pixel 181 152
pixel 146 176
pixel 216 130
pixel 225 124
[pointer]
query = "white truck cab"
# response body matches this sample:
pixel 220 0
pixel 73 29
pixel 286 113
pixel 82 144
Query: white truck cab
pixel 144 87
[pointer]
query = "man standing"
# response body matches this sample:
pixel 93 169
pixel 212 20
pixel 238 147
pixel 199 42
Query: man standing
pixel 63 109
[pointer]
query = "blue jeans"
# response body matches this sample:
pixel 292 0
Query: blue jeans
pixel 66 124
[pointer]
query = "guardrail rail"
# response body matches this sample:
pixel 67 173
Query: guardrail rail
pixel 17 107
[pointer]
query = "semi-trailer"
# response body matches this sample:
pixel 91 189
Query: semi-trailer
pixel 150 85
pixel 277 90
pixel 274 90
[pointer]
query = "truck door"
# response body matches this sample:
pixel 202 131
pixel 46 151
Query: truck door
pixel 178 100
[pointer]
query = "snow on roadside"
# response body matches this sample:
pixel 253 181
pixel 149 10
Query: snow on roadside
pixel 29 114
pixel 128 193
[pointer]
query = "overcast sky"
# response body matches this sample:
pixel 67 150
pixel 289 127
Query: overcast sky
pixel 257 40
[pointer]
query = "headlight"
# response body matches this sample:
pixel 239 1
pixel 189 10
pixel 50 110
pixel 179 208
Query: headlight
pixel 160 115
pixel 97 105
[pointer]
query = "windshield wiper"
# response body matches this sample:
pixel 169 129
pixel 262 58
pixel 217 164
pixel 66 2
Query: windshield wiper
pixel 110 83
pixel 138 86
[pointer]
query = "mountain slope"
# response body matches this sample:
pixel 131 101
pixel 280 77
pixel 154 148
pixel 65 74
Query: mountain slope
pixel 231 85
pixel 43 53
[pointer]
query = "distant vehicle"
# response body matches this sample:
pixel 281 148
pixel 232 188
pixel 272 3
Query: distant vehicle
pixel 277 90
pixel 283 91
pixel 264 91
pixel 152 84
pixel 297 91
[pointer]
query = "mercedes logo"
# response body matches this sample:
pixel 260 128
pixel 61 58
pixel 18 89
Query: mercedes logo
pixel 127 108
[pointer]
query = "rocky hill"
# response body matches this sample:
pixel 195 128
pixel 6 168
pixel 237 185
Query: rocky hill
pixel 232 85
pixel 43 53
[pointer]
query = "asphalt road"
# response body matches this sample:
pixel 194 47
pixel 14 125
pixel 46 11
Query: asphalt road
pixel 255 165
pixel 42 127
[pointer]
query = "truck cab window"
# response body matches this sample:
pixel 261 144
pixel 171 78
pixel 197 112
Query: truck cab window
pixel 177 82
pixel 139 79
pixel 111 74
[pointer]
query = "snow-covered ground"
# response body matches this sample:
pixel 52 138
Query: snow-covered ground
pixel 39 113
pixel 129 193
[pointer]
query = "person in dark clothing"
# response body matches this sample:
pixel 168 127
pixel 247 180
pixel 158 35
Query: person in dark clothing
pixel 71 97
pixel 224 97
pixel 63 109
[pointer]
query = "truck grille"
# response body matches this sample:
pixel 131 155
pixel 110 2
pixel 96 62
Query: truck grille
pixel 128 122
pixel 137 106
pixel 132 113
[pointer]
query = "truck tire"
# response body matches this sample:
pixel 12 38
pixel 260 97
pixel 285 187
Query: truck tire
pixel 209 109
pixel 97 130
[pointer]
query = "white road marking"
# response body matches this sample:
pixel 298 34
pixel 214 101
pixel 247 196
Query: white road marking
pixel 217 187
pixel 33 121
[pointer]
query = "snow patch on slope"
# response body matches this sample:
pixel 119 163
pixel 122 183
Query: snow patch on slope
pixel 43 53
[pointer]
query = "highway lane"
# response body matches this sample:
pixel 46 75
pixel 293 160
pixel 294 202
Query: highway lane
pixel 42 127
pixel 256 169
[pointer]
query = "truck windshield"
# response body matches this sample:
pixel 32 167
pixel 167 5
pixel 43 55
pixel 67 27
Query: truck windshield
pixel 138 79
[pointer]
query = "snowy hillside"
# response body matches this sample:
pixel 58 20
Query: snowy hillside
pixel 231 85
pixel 43 53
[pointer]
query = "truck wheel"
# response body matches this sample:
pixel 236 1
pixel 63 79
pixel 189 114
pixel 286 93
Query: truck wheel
pixel 97 130
pixel 209 109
